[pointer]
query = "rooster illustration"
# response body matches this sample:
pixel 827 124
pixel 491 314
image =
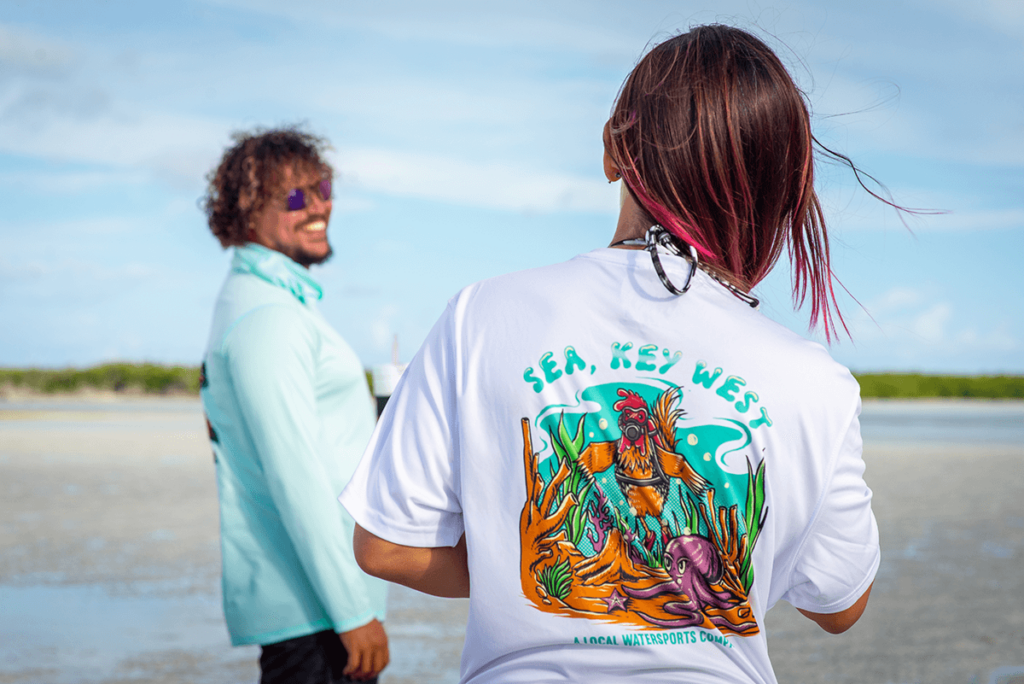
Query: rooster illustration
pixel 644 456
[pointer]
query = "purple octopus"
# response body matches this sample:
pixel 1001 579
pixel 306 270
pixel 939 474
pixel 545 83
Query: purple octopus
pixel 693 564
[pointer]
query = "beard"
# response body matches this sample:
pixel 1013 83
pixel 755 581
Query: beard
pixel 307 259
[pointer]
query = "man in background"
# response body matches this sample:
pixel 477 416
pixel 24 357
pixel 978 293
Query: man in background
pixel 289 415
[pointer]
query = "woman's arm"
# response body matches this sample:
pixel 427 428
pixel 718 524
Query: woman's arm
pixel 441 571
pixel 837 623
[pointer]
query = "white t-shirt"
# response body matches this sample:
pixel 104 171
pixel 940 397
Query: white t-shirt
pixel 639 476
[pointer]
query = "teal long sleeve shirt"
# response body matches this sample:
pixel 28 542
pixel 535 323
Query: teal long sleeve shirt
pixel 290 414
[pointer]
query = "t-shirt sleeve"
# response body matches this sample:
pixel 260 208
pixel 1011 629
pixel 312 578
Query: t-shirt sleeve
pixel 406 488
pixel 839 557
pixel 271 357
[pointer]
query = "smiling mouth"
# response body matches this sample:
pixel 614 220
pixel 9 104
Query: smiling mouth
pixel 315 226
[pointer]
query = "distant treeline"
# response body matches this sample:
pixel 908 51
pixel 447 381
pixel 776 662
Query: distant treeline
pixel 148 378
pixel 151 378
pixel 919 386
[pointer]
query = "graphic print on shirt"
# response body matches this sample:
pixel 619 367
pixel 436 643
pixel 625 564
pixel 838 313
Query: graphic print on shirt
pixel 639 513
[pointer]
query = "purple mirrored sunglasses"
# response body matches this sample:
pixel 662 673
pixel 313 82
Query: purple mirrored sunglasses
pixel 297 196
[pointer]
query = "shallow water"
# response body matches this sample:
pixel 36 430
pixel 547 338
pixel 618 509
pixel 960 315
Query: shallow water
pixel 108 555
pixel 951 422
pixel 109 562
pixel 87 633
pixel 882 421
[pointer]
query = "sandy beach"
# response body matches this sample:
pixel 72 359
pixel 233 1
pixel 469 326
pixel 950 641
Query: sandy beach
pixel 109 561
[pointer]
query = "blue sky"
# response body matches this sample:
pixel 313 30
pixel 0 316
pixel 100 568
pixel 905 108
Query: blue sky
pixel 467 142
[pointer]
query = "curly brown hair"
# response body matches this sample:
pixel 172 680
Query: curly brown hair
pixel 250 171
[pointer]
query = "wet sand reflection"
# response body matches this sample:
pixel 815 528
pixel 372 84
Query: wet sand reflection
pixel 109 561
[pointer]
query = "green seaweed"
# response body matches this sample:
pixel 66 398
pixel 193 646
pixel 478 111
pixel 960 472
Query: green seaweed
pixel 556 579
pixel 692 520
pixel 567 450
pixel 754 518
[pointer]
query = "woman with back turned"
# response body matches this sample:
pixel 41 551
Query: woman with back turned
pixel 618 459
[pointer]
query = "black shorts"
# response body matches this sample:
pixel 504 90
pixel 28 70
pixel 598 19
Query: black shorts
pixel 312 659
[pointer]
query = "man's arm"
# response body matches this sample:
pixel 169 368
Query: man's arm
pixel 837 623
pixel 441 571
pixel 273 373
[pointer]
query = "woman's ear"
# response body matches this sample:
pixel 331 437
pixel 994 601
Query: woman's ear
pixel 611 169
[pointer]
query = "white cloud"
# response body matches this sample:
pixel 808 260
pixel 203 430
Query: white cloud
pixel 994 219
pixel 76 270
pixel 967 220
pixel 1005 16
pixel 80 104
pixel 68 182
pixel 528 23
pixel 66 286
pixel 930 325
pixel 351 205
pixel 1006 12
pixel 997 339
pixel 898 298
pixel 382 328
pixel 495 106
pixel 24 51
pixel 173 146
pixel 62 235
pixel 871 116
pixel 848 207
pixel 952 98
pixel 490 185
pixel 97 115
pixel 907 321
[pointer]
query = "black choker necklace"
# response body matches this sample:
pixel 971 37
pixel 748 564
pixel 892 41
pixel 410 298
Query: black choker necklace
pixel 656 235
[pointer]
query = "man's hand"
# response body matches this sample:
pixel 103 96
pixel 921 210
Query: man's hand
pixel 367 648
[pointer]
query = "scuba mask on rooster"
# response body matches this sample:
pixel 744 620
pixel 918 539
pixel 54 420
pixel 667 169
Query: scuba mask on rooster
pixel 633 425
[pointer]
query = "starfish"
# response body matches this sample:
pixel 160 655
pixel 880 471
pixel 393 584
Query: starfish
pixel 616 601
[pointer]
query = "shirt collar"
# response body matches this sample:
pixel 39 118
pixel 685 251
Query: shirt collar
pixel 277 269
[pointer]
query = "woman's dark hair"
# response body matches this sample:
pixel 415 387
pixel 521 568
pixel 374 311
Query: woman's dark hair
pixel 250 171
pixel 713 140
